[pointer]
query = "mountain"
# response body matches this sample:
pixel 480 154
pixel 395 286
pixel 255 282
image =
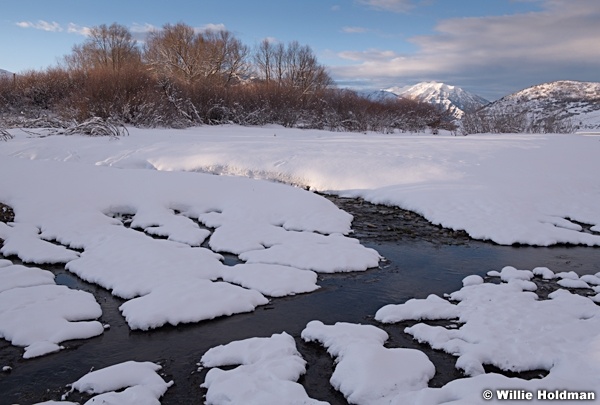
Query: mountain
pixel 451 98
pixel 576 101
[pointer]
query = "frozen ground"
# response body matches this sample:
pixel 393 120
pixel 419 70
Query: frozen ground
pixel 128 215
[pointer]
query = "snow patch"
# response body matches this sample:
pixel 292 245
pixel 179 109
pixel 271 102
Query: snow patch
pixel 266 373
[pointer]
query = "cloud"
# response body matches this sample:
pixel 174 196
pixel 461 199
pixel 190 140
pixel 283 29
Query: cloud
pixel 41 25
pixel 354 30
pixel 396 6
pixel 143 28
pixel 370 55
pixel 519 50
pixel 73 28
pixel 55 27
pixel 211 27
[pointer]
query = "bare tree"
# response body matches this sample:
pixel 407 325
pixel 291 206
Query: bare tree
pixel 111 47
pixel 294 67
pixel 175 51
pixel 179 51
pixel 225 57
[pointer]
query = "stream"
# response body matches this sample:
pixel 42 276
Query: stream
pixel 419 259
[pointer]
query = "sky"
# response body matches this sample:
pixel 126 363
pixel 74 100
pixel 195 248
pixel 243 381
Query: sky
pixel 491 48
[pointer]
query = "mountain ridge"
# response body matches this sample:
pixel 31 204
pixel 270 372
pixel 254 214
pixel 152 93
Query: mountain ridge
pixel 447 97
pixel 572 100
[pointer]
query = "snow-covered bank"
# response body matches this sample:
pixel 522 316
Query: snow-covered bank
pixel 515 188
pixel 63 208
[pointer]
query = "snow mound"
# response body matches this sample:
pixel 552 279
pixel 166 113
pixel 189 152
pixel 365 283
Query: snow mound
pixel 366 372
pixel 144 235
pixel 136 383
pixel 271 279
pixel 37 314
pixel 538 330
pixel 433 307
pixel 193 301
pixel 266 373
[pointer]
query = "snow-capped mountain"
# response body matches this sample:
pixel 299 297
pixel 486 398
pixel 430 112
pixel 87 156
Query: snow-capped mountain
pixel 5 73
pixel 576 101
pixel 451 98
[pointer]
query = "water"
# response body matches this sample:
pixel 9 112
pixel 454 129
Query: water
pixel 412 268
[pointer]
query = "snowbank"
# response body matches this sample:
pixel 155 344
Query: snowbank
pixel 513 188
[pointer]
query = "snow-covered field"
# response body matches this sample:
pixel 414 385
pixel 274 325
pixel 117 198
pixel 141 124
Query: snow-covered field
pixel 129 215
pixel 507 188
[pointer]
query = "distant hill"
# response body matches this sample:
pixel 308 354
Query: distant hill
pixel 447 97
pixel 5 73
pixel 576 101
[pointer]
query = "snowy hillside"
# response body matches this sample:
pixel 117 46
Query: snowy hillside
pixel 577 101
pixel 5 73
pixel 452 98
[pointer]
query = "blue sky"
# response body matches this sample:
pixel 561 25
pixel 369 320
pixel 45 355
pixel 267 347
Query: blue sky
pixel 490 47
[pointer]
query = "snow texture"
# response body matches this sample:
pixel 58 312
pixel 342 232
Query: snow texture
pixel 38 314
pixel 129 383
pixel 266 373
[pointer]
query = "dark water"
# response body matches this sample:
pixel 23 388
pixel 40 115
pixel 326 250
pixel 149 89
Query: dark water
pixel 413 268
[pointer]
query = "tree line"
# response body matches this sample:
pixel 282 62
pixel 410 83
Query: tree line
pixel 180 77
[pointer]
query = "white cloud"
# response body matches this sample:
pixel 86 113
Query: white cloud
pixel 354 30
pixel 396 6
pixel 370 55
pixel 143 28
pixel 559 42
pixel 78 29
pixel 55 27
pixel 211 27
pixel 41 25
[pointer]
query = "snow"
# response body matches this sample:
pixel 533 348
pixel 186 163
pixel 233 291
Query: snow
pixel 432 307
pixel 366 372
pixel 38 314
pixel 141 217
pixel 499 324
pixel 266 373
pixel 452 98
pixel 139 382
pixel 494 314
pixel 271 279
pixel 187 302
pixel 112 215
pixel 507 188
pixel 564 99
